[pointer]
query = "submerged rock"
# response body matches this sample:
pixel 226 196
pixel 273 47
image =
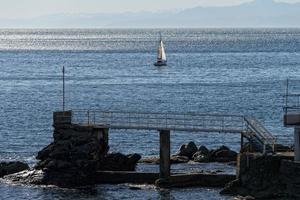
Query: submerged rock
pixel 174 159
pixel 179 159
pixel 7 168
pixel 150 160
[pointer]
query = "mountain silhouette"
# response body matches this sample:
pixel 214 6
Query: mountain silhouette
pixel 258 13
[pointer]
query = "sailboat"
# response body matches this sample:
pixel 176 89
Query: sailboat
pixel 161 54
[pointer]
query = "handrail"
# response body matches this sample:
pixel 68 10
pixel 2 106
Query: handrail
pixel 264 135
pixel 216 122
pixel 175 121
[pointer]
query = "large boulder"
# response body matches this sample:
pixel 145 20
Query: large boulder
pixel 202 155
pixel 187 150
pixel 119 162
pixel 223 154
pixel 12 167
pixel 203 150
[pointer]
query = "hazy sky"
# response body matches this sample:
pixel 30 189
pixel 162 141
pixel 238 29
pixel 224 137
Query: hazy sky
pixel 31 8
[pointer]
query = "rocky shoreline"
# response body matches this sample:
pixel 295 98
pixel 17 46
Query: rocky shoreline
pixel 190 152
pixel 71 160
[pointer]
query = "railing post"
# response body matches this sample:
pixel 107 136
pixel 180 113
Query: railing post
pixel 166 120
pixel 94 117
pixel 264 147
pixel 88 116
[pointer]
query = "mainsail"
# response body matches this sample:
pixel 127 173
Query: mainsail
pixel 161 55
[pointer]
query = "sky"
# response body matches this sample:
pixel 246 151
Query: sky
pixel 16 9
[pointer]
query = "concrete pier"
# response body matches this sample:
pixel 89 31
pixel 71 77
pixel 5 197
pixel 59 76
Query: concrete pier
pixel 164 167
pixel 293 120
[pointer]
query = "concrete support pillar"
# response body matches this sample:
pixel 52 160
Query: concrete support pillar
pixel 105 135
pixel 242 142
pixel 164 154
pixel 297 143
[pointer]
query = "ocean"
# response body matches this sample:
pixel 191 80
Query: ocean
pixel 229 71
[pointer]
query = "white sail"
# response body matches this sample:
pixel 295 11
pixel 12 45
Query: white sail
pixel 161 55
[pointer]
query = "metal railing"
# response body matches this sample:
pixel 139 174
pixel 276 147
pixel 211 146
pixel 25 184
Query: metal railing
pixel 292 96
pixel 172 121
pixel 267 139
pixel 175 121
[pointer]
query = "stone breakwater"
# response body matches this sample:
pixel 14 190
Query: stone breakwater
pixel 74 157
pixel 266 177
pixel 190 152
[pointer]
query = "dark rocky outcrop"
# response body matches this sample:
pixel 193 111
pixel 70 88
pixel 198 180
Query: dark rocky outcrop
pixel 223 154
pixel 187 150
pixel 12 167
pixel 203 154
pixel 266 177
pixel 73 158
pixel 119 162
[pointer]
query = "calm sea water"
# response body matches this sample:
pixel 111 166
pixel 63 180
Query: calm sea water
pixel 235 71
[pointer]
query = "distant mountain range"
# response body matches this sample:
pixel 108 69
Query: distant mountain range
pixel 258 13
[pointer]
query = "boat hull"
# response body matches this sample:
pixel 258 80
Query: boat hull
pixel 160 63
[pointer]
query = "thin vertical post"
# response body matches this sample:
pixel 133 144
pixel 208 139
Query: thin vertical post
pixel 286 95
pixel 264 147
pixel 63 71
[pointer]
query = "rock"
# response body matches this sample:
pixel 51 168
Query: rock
pixel 244 198
pixel 174 159
pixel 134 188
pixel 150 160
pixel 179 159
pixel 12 167
pixel 75 155
pixel 27 177
pixel 187 150
pixel 203 150
pixel 199 156
pixel 44 153
pixel 119 162
pixel 223 154
pixel 266 177
pixel 231 188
